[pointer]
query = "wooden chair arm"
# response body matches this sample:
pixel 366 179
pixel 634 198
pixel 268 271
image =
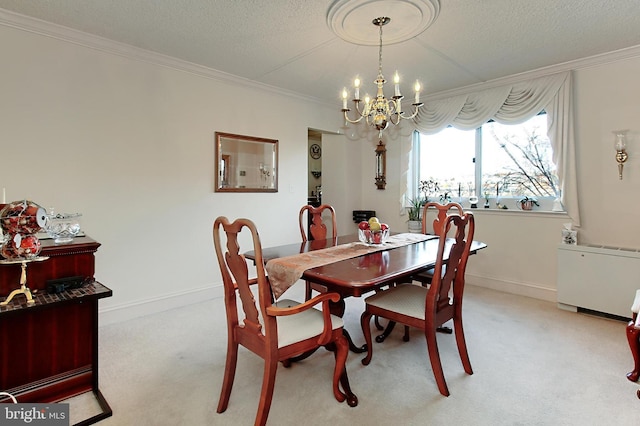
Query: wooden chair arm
pixel 323 298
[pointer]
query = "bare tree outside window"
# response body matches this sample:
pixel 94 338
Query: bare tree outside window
pixel 524 165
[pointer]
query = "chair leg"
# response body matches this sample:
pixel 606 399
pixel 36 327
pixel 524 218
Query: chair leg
pixel 462 345
pixel 307 290
pixel 340 348
pixel 633 337
pixel 266 395
pixel 434 357
pixel 229 375
pixel 365 322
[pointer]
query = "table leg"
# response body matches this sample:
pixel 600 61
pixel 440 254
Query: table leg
pixel 337 309
pixel 387 331
pixel 352 345
pixel 287 363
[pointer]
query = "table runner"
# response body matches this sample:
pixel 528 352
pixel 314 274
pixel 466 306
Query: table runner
pixel 283 272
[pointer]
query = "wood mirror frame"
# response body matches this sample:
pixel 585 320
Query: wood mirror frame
pixel 246 164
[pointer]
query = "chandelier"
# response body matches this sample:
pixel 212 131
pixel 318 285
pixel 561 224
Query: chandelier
pixel 380 111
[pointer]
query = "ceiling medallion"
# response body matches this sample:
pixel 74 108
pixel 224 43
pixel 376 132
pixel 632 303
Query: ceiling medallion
pixel 351 19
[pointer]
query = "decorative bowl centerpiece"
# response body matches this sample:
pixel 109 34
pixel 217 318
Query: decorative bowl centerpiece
pixel 372 231
pixel 63 227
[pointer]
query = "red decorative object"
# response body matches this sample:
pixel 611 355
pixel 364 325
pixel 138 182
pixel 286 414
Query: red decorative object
pixel 22 217
pixel 20 221
pixel 18 246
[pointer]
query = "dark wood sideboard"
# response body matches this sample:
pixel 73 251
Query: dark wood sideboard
pixel 49 350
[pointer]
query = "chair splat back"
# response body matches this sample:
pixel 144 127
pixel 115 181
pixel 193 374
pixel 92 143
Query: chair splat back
pixel 456 264
pixel 443 211
pixel 317 228
pixel 236 280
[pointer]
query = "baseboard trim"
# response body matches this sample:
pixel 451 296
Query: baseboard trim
pixel 165 302
pixel 129 311
pixel 522 289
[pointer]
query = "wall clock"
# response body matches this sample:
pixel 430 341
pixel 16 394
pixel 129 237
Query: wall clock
pixel 315 151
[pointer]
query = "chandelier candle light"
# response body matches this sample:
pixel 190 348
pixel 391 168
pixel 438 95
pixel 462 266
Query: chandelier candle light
pixel 380 111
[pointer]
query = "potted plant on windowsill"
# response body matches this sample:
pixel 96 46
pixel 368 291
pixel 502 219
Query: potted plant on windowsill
pixel 527 203
pixel 414 211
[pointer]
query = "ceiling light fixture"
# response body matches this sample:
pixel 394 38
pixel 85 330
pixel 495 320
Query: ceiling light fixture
pixel 380 111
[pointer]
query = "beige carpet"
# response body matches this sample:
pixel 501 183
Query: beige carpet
pixel 533 365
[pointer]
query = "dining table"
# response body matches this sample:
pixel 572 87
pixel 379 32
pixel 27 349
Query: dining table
pixel 358 268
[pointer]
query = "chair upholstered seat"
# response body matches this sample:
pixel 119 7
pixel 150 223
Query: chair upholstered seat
pixel 404 299
pixel 302 326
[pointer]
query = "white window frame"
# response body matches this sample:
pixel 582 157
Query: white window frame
pixel 546 203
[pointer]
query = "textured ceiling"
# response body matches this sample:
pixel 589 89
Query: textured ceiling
pixel 289 43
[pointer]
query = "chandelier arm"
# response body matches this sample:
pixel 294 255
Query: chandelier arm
pixel 360 112
pixel 394 107
pixel 415 112
pixel 346 117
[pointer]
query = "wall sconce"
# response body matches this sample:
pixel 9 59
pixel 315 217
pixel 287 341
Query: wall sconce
pixel 381 165
pixel 620 144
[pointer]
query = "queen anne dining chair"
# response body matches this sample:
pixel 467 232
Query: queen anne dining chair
pixel 433 227
pixel 313 227
pixel 273 331
pixel 428 308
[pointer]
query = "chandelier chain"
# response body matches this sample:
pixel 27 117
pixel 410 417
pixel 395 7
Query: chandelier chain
pixel 380 54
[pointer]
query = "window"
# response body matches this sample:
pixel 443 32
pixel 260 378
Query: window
pixel 496 162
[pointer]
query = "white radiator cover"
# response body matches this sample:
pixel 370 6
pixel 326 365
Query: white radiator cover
pixel 598 278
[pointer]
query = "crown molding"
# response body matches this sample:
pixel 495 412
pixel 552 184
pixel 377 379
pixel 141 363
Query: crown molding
pixel 588 62
pixel 105 45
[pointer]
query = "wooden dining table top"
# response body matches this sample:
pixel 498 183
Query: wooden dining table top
pixel 359 275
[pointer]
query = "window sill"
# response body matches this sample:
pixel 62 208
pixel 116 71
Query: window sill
pixel 512 212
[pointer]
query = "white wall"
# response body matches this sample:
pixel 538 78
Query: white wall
pixel 130 144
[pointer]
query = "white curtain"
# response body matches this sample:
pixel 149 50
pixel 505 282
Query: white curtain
pixel 515 104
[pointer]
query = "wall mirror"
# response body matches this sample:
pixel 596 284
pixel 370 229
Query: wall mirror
pixel 246 164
